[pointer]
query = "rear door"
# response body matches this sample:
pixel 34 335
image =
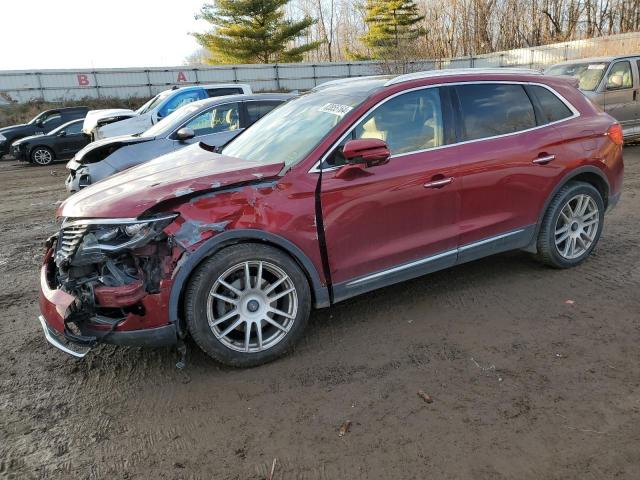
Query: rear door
pixel 394 221
pixel 508 162
pixel 620 94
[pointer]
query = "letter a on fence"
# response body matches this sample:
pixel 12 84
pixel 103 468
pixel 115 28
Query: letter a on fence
pixel 182 77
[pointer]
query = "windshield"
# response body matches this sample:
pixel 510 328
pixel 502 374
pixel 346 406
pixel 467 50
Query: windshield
pixel 153 103
pixel 291 131
pixel 588 74
pixel 35 119
pixel 171 121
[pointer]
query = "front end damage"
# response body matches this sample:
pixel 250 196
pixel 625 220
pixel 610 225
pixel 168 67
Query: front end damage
pixel 108 280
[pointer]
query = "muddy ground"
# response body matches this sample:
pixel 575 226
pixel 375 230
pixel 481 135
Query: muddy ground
pixel 534 374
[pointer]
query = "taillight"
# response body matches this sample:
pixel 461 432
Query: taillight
pixel 615 134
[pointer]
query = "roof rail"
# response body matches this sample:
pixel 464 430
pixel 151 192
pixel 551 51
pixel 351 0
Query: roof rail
pixel 458 71
pixel 339 81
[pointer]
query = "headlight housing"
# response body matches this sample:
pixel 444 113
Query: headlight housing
pixel 83 242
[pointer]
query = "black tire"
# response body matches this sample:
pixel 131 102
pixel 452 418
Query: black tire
pixel 199 289
pixel 39 156
pixel 548 252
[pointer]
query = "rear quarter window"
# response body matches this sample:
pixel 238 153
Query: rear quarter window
pixel 492 109
pixel 552 108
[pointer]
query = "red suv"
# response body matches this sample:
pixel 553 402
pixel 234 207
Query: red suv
pixel 356 185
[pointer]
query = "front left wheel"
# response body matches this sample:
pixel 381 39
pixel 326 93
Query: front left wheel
pixel 42 156
pixel 247 305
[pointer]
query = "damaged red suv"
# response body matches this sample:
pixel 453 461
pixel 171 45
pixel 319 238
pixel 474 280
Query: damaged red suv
pixel 353 186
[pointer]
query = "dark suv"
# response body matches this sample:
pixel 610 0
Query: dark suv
pixel 356 185
pixel 43 123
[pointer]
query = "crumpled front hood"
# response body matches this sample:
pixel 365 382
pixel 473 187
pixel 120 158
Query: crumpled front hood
pixel 91 120
pixel 106 143
pixel 132 192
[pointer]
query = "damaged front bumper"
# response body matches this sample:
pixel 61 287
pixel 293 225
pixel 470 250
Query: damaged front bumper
pixel 129 314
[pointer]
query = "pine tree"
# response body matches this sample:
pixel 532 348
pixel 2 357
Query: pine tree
pixel 253 31
pixel 392 25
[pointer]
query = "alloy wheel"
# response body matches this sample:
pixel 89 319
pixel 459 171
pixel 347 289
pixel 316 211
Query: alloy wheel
pixel 42 156
pixel 577 226
pixel 252 306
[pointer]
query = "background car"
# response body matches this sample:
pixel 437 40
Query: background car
pixel 41 124
pixel 111 122
pixel 214 121
pixel 58 144
pixel 612 83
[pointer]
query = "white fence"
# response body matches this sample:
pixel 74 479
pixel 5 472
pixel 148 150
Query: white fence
pixel 59 85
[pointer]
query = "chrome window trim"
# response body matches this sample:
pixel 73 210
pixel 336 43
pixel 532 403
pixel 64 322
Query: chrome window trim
pixel 569 105
pixel 431 258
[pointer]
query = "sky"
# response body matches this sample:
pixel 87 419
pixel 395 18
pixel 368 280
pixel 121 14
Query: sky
pixel 39 34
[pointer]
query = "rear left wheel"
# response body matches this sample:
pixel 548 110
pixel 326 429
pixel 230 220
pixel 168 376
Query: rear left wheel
pixel 247 305
pixel 571 226
pixel 42 156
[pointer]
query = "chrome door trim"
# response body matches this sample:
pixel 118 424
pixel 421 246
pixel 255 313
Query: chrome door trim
pixel 431 258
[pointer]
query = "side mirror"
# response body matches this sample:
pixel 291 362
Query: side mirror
pixel 615 81
pixel 369 151
pixel 62 134
pixel 185 134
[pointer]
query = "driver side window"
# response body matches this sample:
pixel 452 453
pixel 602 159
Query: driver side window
pixel 52 120
pixel 620 76
pixel 222 118
pixel 408 123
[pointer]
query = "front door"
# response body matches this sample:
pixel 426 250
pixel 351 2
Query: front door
pixel 215 126
pixel 74 139
pixel 394 221
pixel 620 95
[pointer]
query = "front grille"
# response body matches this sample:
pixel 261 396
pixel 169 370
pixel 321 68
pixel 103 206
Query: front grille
pixel 70 238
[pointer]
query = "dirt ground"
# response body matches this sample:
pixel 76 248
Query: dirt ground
pixel 534 374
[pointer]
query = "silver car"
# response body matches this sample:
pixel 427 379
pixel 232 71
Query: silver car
pixel 214 121
pixel 610 82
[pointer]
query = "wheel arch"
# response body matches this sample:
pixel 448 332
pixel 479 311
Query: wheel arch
pixel 319 292
pixel 588 174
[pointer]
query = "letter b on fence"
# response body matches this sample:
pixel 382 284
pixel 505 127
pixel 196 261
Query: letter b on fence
pixel 83 79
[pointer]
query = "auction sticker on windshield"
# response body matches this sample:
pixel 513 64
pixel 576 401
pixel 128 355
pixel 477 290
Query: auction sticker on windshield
pixel 336 109
pixel 596 66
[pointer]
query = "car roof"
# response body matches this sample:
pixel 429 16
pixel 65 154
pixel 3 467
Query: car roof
pixel 207 102
pixel 67 109
pixel 367 85
pixel 609 58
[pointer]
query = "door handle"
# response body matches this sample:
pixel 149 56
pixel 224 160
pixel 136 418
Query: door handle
pixel 438 183
pixel 544 159
pixel 635 95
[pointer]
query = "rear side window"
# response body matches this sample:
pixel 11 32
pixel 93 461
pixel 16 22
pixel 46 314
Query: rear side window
pixel 219 92
pixel 257 110
pixel 553 109
pixel 74 129
pixel 491 109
